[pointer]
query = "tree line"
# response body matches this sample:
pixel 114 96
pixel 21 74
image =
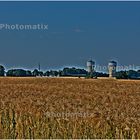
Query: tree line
pixel 51 73
pixel 75 72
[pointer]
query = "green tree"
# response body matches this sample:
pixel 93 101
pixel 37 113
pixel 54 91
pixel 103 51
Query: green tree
pixel 122 75
pixel 41 73
pixel 16 73
pixel 35 72
pixel 47 73
pixel 28 73
pixel 2 70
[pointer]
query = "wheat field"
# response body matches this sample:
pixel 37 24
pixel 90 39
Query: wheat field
pixel 69 108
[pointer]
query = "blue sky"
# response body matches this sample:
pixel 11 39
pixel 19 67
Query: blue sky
pixel 77 32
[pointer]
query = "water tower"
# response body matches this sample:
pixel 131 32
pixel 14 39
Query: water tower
pixel 112 69
pixel 90 66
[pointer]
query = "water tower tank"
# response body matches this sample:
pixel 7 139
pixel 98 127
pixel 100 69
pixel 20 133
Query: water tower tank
pixel 112 68
pixel 90 66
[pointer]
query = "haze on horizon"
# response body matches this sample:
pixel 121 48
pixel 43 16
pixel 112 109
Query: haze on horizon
pixel 77 32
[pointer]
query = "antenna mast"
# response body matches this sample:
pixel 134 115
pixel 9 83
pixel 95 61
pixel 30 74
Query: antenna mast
pixel 39 66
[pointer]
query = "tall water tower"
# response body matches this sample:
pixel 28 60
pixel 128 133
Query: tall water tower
pixel 90 66
pixel 112 69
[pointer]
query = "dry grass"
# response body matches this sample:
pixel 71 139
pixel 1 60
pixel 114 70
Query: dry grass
pixel 113 105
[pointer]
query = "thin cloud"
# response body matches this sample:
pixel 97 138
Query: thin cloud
pixel 57 32
pixel 77 30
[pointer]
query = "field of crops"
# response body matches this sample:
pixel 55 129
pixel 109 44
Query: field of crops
pixel 69 108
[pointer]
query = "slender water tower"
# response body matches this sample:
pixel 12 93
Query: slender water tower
pixel 90 67
pixel 112 69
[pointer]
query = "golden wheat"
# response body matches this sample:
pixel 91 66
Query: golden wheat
pixel 111 108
